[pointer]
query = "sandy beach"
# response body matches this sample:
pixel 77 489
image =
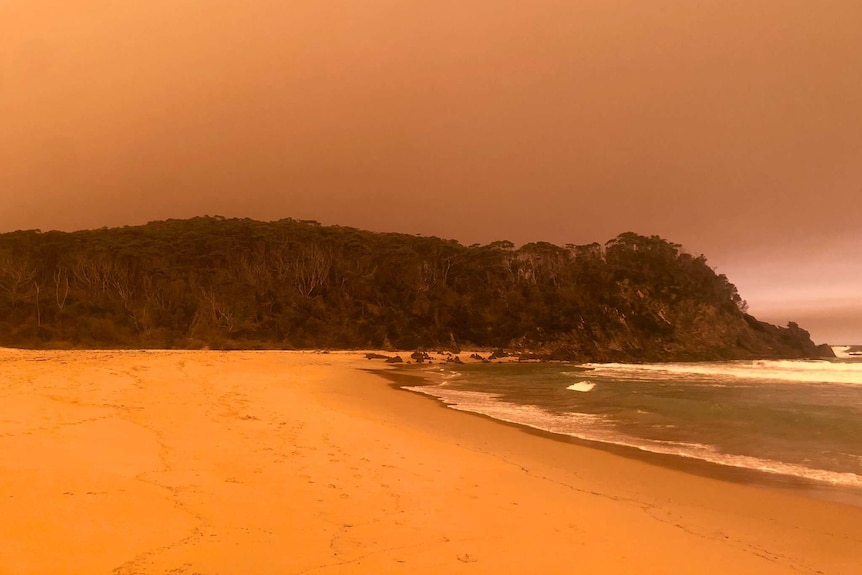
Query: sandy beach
pixel 285 462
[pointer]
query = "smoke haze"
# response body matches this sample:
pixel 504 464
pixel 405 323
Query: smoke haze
pixel 733 128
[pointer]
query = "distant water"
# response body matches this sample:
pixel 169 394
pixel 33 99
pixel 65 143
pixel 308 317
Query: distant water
pixel 794 418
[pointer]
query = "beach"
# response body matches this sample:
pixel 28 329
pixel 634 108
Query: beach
pixel 207 462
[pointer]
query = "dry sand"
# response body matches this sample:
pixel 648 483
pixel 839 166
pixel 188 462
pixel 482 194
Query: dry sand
pixel 269 462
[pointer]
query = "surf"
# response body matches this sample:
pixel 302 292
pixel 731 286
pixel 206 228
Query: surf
pixel 598 429
pixel 805 371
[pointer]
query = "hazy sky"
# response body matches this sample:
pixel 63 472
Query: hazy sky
pixel 731 127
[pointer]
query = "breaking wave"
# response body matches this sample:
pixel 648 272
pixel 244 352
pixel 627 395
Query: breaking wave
pixel 591 427
pixel 811 371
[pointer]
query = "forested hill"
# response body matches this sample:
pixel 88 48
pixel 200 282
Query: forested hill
pixel 230 283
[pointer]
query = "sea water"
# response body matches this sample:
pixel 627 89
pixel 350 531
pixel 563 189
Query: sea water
pixel 799 419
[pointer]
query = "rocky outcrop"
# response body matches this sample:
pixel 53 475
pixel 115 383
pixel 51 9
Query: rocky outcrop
pixel 825 351
pixel 696 334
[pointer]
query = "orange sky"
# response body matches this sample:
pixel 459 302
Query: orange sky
pixel 734 128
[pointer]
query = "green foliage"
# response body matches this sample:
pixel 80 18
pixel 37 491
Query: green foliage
pixel 233 283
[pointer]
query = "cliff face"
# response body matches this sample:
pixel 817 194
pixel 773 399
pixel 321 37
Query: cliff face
pixel 696 333
pixel 292 284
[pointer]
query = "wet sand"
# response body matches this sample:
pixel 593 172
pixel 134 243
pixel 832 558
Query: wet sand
pixel 275 462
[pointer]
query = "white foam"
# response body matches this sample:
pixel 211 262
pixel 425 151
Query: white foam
pixel 583 386
pixel 596 428
pixel 840 351
pixel 806 371
pixel 491 405
pixel 843 352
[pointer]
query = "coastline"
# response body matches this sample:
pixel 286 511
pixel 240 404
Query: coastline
pixel 806 487
pixel 411 380
pixel 258 462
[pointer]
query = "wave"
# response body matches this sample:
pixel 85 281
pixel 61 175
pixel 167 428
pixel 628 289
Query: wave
pixel 847 351
pixel 802 371
pixel 590 427
pixel 582 386
pixel 444 375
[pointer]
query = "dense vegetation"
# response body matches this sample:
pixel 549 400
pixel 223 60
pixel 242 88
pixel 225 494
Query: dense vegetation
pixel 225 283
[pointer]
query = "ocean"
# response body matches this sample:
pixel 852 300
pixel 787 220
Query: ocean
pixel 800 420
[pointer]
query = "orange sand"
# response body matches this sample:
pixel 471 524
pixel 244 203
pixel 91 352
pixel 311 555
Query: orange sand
pixel 269 462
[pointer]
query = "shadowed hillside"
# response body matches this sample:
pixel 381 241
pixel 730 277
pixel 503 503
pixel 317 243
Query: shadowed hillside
pixel 230 283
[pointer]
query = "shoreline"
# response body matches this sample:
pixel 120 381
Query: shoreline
pixel 256 462
pixel 700 467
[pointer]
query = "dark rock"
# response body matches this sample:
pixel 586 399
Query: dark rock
pixel 376 356
pixel 396 359
pixel 825 350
